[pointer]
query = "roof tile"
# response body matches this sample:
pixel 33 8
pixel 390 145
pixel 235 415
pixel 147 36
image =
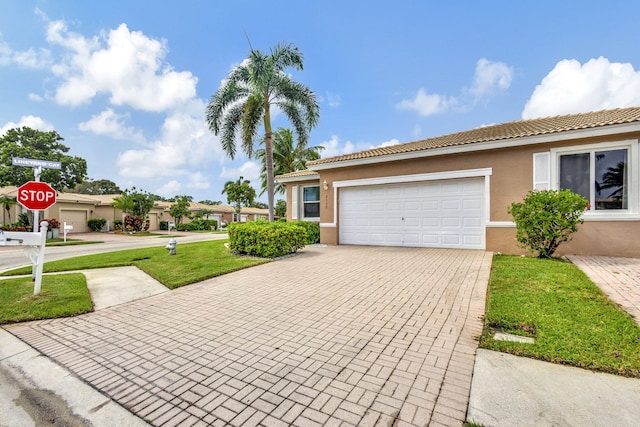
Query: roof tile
pixel 510 130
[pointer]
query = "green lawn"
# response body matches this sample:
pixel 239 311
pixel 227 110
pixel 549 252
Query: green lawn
pixel 67 294
pixel 60 295
pixel 192 263
pixel 573 322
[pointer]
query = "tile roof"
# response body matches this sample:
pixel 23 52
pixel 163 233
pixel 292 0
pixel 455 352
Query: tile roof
pixel 298 174
pixel 504 131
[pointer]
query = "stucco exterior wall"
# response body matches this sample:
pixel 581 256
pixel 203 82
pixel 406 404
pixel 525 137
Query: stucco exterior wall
pixel 511 179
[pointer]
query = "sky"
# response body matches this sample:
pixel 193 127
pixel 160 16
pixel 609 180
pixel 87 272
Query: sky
pixel 126 83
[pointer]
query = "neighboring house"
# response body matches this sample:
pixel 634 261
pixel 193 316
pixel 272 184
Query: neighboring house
pixel 454 191
pixel 77 209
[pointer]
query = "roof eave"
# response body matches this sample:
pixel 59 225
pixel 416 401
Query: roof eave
pixel 284 180
pixel 483 146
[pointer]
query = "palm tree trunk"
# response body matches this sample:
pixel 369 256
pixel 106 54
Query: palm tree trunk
pixel 268 150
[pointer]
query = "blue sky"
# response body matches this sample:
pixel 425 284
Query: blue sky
pixel 125 83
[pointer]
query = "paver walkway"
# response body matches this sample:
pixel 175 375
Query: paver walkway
pixel 619 278
pixel 333 336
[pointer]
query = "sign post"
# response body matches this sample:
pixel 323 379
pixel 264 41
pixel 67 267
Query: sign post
pixel 35 196
pixel 37 165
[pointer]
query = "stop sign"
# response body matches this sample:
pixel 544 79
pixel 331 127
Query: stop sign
pixel 36 196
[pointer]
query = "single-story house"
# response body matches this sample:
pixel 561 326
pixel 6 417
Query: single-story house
pixel 454 191
pixel 77 209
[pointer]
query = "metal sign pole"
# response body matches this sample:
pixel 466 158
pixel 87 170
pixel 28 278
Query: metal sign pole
pixel 36 214
pixel 40 259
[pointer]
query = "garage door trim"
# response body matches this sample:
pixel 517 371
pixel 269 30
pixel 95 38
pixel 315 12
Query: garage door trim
pixel 398 179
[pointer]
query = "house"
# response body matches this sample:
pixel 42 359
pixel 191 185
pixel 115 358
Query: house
pixel 77 209
pixel 454 191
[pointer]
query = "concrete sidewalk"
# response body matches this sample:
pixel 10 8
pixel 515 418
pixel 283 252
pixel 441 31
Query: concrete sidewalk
pixel 511 391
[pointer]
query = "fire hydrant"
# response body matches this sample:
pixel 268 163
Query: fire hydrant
pixel 171 246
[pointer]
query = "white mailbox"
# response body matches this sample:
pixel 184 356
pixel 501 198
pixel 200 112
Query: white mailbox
pixel 34 244
pixel 65 229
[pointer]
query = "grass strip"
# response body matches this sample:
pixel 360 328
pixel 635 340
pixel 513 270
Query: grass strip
pixel 192 263
pixel 573 322
pixel 61 295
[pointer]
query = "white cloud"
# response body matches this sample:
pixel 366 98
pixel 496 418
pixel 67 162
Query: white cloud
pixel 489 77
pixel 248 170
pixel 185 145
pixel 417 131
pixel 389 143
pixel 35 97
pixel 427 104
pixel 30 58
pixel 333 100
pixel 572 87
pixel 198 181
pixel 126 65
pixel 30 121
pixel 111 124
pixel 169 189
pixel 334 147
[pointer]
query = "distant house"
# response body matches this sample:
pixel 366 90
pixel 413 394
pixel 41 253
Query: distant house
pixel 454 191
pixel 77 209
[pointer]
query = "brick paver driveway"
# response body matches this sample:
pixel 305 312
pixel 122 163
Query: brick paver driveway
pixel 333 336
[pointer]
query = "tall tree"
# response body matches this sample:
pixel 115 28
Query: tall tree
pixel 100 186
pixel 210 202
pixel 180 208
pixel 135 202
pixel 287 157
pixel 246 97
pixel 35 144
pixel 239 193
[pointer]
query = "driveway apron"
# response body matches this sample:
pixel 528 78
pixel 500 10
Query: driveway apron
pixel 340 335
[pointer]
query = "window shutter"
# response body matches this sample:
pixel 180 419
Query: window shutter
pixel 294 202
pixel 541 171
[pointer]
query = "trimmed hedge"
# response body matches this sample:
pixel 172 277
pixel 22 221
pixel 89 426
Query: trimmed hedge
pixel 96 224
pixel 312 229
pixel 266 239
pixel 198 224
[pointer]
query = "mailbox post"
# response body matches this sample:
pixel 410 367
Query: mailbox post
pixel 35 243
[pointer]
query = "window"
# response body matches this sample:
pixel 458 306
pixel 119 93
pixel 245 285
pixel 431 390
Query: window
pixel 600 174
pixel 311 202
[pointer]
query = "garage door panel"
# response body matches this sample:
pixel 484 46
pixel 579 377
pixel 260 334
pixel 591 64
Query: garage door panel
pixel 450 222
pixel 431 214
pixel 75 218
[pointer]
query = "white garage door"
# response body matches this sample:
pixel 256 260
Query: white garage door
pixel 77 219
pixel 439 214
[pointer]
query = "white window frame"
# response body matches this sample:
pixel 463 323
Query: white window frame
pixel 633 208
pixel 541 171
pixel 302 202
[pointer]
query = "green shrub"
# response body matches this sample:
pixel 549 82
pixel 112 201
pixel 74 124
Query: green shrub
pixel 96 224
pixel 266 239
pixel 312 229
pixel 164 225
pixel 544 219
pixel 205 224
pixel 188 227
pixel 117 224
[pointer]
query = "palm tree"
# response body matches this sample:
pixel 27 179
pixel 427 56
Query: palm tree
pixel 7 202
pixel 239 193
pixel 245 98
pixel 286 157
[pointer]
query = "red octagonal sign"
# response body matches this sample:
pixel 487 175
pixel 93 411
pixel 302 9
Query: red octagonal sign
pixel 36 196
